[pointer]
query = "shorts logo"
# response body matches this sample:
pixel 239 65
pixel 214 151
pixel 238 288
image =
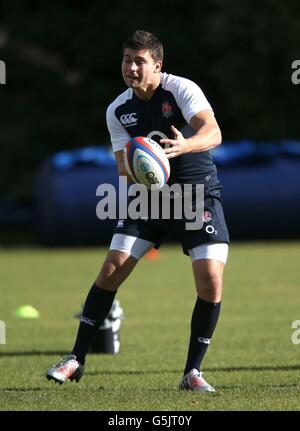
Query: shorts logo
pixel 206 216
pixel 166 110
pixel 210 229
pixel 128 119
pixel 120 223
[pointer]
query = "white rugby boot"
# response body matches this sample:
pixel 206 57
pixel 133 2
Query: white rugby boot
pixel 67 368
pixel 194 381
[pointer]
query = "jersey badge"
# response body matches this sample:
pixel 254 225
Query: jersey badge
pixel 166 110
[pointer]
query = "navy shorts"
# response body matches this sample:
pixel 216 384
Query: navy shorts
pixel 214 229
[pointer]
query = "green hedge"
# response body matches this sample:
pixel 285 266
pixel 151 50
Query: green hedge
pixel 63 68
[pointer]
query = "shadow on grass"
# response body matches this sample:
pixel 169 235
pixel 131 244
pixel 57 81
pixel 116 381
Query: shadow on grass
pixel 20 389
pixel 33 353
pixel 93 373
pixel 211 370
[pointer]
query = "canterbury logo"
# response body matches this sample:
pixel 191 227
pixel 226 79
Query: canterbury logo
pixel 128 119
pixel 87 321
pixel 204 340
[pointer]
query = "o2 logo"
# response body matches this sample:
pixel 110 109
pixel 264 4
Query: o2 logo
pixel 156 135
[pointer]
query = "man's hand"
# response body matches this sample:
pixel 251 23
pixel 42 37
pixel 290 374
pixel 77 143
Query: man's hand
pixel 175 147
pixel 120 155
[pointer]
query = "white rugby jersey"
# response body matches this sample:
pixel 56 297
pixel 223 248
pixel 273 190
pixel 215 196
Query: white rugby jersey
pixel 175 102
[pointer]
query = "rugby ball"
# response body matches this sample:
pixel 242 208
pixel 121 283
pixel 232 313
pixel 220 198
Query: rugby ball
pixel 146 162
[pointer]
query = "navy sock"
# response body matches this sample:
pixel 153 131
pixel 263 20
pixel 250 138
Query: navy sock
pixel 204 321
pixel 97 306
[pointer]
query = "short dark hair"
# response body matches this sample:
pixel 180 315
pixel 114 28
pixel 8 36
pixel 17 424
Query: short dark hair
pixel 140 39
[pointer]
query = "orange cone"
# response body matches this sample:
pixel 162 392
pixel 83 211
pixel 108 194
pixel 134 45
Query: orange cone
pixel 152 254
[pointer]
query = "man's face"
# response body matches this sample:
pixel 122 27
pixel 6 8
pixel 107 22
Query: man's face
pixel 139 70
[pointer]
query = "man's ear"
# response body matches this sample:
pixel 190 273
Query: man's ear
pixel 158 66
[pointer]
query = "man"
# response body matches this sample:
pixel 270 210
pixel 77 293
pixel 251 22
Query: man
pixel 159 105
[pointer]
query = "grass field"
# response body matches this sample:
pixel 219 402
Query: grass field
pixel 252 361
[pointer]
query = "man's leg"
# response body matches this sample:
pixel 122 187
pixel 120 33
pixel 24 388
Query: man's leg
pixel 125 251
pixel 116 268
pixel 208 273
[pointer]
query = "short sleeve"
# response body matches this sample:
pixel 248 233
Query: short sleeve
pixel 191 99
pixel 118 135
pixel 188 95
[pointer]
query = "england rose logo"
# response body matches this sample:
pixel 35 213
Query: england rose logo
pixel 166 110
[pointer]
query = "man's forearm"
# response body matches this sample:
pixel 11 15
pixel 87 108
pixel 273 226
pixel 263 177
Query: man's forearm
pixel 206 138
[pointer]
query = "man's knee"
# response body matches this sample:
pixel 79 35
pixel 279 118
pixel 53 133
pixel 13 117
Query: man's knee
pixel 209 279
pixel 115 270
pixel 212 281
